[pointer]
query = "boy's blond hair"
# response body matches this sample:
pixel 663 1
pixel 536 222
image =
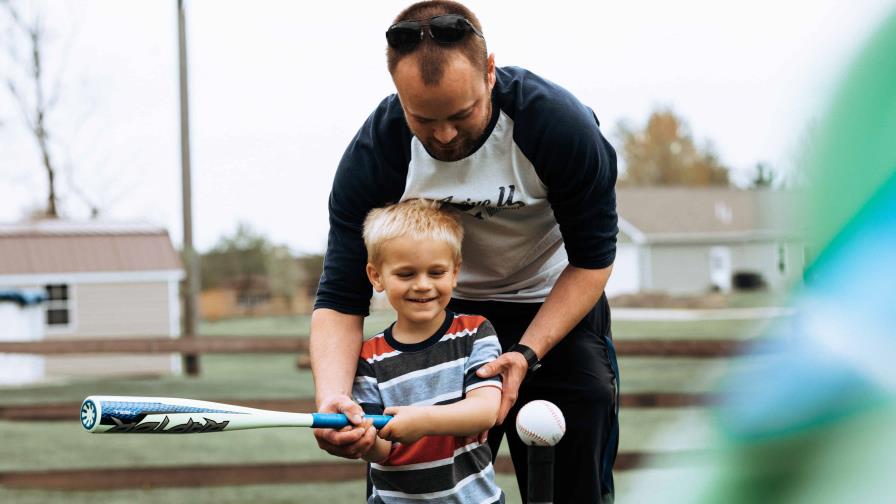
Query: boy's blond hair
pixel 419 219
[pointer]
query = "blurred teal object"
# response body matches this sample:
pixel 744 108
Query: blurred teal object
pixel 814 419
pixel 22 297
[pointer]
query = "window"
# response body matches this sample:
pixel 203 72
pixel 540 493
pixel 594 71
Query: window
pixel 782 258
pixel 58 309
pixel 253 299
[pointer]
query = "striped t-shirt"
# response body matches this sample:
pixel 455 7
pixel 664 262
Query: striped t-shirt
pixel 439 370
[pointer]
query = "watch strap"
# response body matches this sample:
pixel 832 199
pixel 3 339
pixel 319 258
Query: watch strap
pixel 528 353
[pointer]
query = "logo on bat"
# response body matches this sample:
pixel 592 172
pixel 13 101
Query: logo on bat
pixel 88 414
pixel 189 427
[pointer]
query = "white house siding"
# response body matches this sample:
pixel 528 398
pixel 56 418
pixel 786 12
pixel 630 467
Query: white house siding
pixel 122 309
pixel 117 310
pixel 678 269
pixel 625 278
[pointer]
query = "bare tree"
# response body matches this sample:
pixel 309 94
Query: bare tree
pixel 34 86
pixel 35 105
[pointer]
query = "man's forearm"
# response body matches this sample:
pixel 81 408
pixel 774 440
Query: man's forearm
pixel 576 291
pixel 335 344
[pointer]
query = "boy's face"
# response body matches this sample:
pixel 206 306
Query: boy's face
pixel 417 275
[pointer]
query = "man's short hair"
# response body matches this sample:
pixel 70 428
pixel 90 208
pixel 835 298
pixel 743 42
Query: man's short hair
pixel 418 219
pixel 432 57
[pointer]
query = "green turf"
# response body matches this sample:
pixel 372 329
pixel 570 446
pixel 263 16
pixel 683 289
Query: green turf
pixel 232 376
pixel 26 444
pixel 316 493
pixel 296 325
pixel 671 374
pixel 688 329
pixel 309 493
pixel 252 376
pixel 299 325
pixel 665 430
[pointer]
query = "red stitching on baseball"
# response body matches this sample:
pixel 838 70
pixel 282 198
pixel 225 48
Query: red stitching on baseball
pixel 534 435
pixel 560 421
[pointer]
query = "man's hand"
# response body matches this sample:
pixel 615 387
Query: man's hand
pixel 512 367
pixel 407 425
pixel 351 441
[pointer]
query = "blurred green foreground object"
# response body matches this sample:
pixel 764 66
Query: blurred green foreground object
pixel 814 423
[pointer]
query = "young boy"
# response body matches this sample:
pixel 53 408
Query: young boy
pixel 422 369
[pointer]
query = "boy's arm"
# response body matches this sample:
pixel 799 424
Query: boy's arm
pixel 468 417
pixel 379 451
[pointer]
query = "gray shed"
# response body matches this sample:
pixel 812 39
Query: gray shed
pixel 100 279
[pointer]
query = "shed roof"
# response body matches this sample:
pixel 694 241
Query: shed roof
pixel 663 213
pixel 60 246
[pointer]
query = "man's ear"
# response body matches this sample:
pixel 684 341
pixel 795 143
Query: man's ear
pixel 491 72
pixel 375 279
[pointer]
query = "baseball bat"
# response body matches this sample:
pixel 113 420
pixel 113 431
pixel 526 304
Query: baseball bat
pixel 169 415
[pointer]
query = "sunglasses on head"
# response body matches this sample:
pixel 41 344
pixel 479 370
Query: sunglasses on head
pixel 444 29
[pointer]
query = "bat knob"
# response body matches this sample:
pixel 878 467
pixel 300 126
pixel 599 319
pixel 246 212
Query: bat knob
pixel 90 414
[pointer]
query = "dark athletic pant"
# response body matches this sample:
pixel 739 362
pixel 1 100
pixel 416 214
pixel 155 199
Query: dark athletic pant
pixel 579 375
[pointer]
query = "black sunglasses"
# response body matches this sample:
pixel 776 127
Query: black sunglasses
pixel 444 29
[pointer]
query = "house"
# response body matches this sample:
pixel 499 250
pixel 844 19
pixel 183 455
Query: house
pixel 21 319
pixel 252 296
pixel 101 280
pixel 684 240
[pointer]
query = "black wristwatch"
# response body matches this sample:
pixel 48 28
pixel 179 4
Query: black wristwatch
pixel 528 353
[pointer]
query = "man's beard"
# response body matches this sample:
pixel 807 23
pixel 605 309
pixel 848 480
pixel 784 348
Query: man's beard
pixel 455 151
pixel 463 145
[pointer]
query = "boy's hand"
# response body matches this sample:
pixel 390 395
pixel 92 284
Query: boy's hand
pixel 407 426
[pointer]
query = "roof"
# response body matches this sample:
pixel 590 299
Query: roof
pixel 60 246
pixel 688 214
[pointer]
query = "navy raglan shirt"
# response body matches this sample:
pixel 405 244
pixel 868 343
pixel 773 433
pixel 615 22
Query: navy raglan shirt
pixel 536 195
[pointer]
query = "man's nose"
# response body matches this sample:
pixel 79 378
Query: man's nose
pixel 445 133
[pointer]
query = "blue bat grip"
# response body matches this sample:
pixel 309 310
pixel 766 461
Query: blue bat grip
pixel 338 420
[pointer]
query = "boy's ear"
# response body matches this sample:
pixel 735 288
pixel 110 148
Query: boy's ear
pixel 456 274
pixel 374 276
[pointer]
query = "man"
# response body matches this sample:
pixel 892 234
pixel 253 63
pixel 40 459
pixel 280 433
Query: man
pixel 526 164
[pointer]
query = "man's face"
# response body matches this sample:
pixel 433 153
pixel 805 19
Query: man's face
pixel 449 118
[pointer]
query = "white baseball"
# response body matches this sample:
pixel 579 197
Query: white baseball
pixel 540 423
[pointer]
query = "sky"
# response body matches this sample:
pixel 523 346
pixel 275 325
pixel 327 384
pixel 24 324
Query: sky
pixel 277 90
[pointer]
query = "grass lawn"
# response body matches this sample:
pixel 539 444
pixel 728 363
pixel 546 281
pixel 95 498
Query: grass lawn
pixel 311 493
pixel 230 376
pixel 296 325
pixel 63 445
pixel 688 329
pixel 377 321
pixel 253 376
